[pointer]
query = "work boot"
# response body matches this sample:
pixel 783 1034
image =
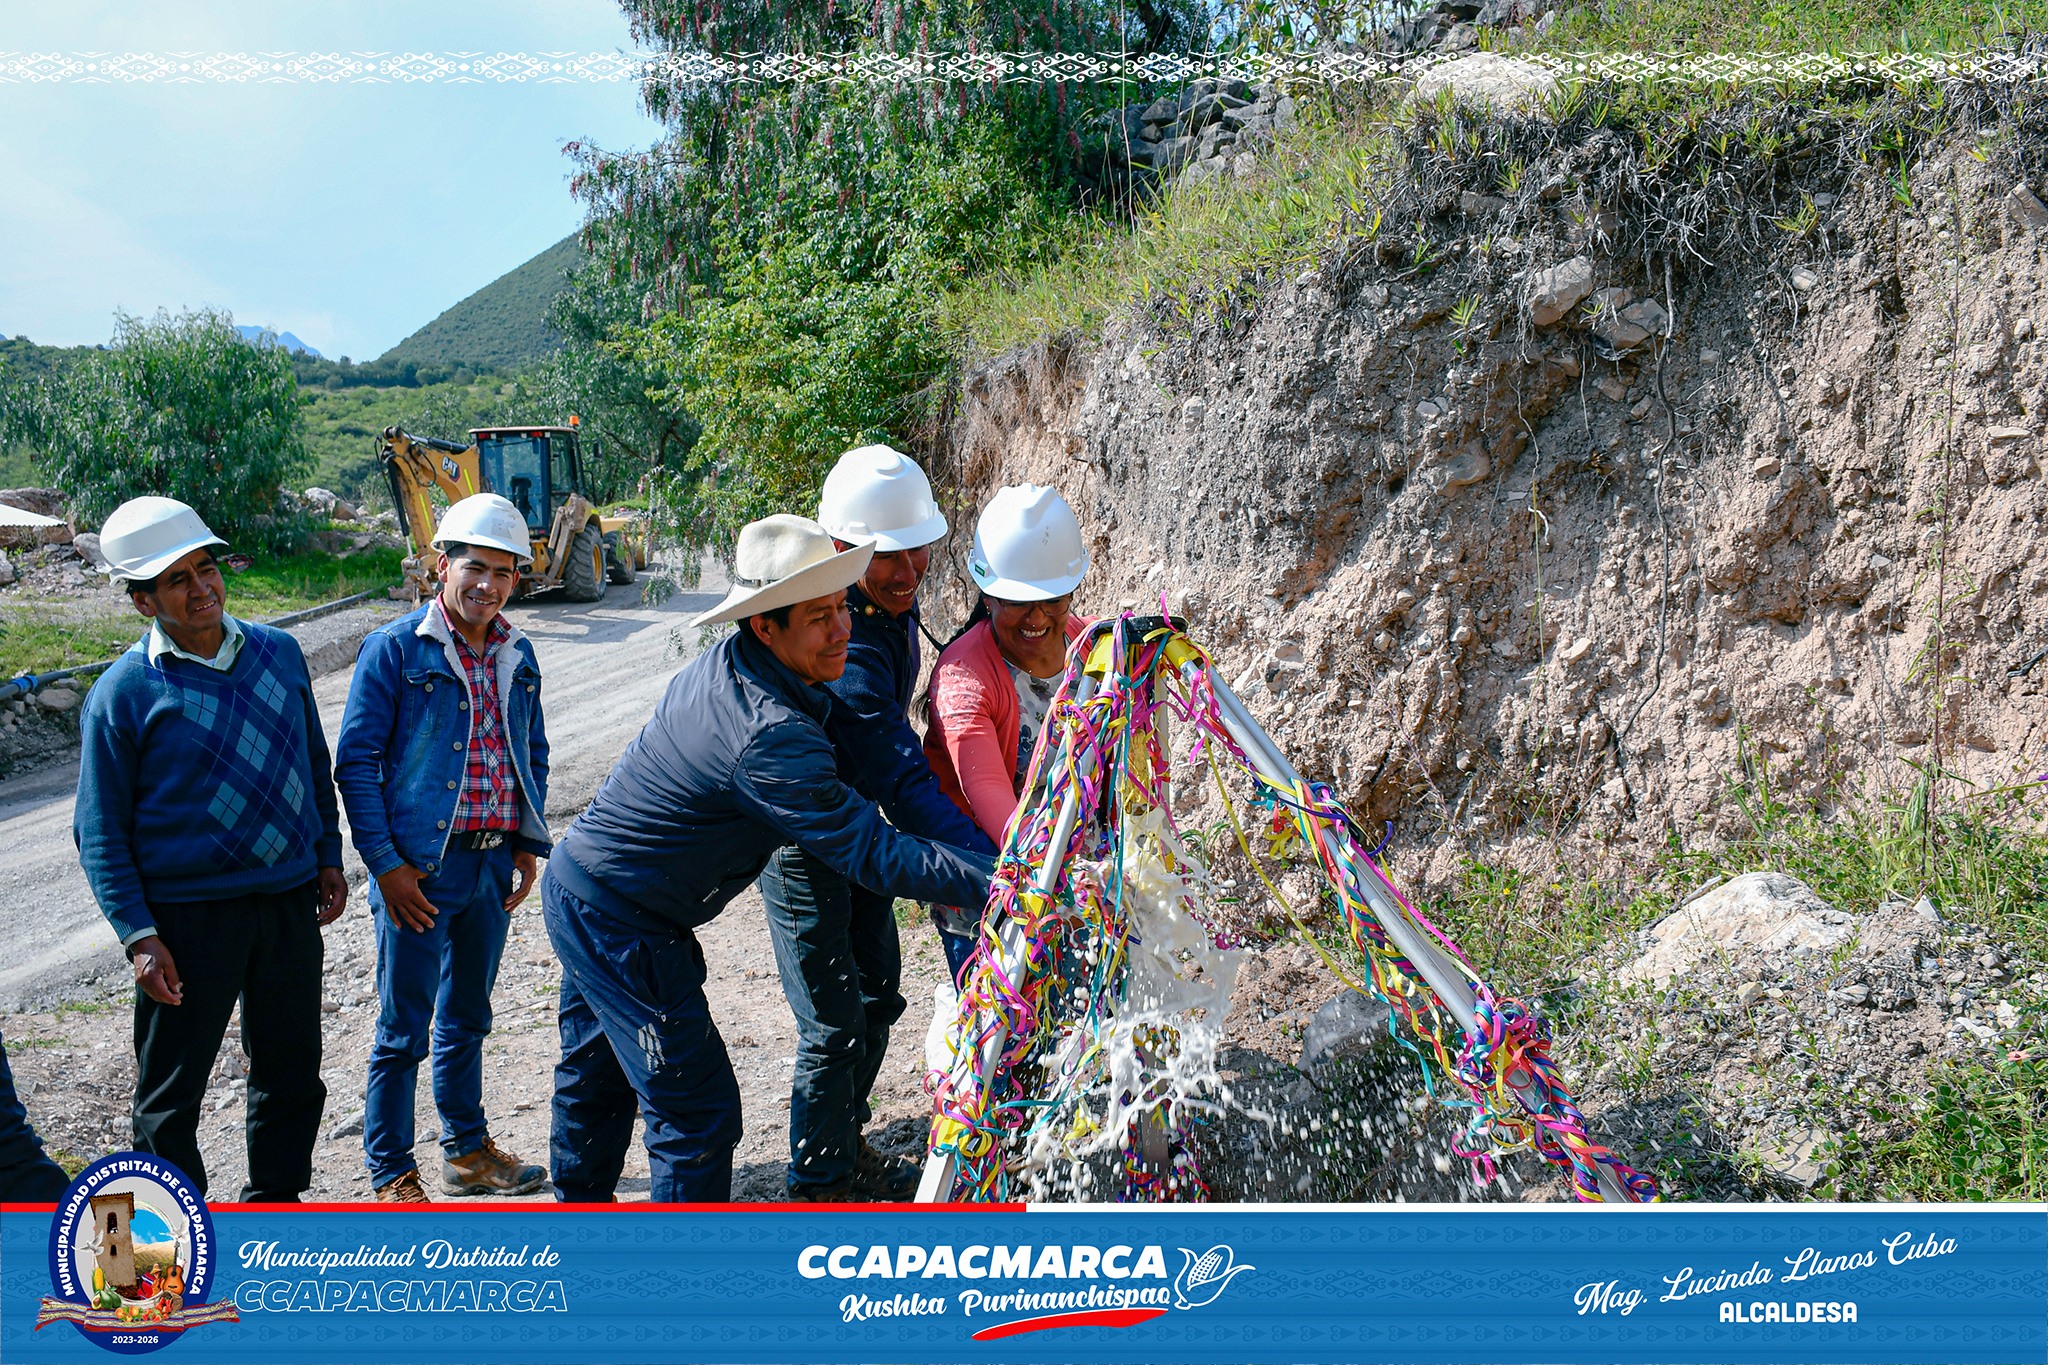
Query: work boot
pixel 490 1170
pixel 888 1179
pixel 842 1193
pixel 403 1189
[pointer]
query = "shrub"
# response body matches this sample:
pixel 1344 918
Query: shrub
pixel 179 406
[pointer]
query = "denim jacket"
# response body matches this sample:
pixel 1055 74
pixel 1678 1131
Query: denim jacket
pixel 405 741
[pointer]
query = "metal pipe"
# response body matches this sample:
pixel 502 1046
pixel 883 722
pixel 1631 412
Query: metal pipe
pixel 26 683
pixel 940 1168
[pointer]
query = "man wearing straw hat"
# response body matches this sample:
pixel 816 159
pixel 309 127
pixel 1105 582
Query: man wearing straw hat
pixel 734 764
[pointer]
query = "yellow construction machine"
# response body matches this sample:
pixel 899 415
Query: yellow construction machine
pixel 540 469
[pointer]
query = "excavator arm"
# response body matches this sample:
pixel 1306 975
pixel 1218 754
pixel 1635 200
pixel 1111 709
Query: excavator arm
pixel 416 466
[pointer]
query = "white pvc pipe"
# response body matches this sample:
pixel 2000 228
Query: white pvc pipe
pixel 940 1168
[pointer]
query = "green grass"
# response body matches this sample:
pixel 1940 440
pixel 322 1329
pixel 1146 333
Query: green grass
pixel 273 587
pixel 37 638
pixel 1790 25
pixel 1981 1130
pixel 1979 854
pixel 342 426
pixel 1202 249
pixel 41 637
pixel 1196 253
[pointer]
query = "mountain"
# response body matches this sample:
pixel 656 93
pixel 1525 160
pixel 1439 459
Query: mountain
pixel 284 339
pixel 502 325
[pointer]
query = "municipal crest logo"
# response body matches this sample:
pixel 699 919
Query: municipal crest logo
pixel 132 1255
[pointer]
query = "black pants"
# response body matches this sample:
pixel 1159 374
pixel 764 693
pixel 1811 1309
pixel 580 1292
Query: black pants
pixel 265 951
pixel 26 1175
pixel 841 966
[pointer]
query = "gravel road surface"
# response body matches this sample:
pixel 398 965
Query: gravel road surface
pixel 66 996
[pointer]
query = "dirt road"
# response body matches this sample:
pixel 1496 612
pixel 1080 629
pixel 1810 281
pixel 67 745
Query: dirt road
pixel 68 1035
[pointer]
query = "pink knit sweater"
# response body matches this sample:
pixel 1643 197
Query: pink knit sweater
pixel 972 739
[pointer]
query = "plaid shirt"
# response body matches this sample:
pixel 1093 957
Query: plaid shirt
pixel 489 798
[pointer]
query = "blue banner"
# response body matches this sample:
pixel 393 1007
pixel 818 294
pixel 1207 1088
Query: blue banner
pixel 514 1283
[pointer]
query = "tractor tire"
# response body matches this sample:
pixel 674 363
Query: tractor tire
pixel 583 575
pixel 617 560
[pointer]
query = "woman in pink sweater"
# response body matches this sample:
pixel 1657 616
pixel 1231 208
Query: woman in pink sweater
pixel 992 686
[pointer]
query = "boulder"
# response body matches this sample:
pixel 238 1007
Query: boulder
pixel 87 544
pixel 2020 205
pixel 47 502
pixel 1756 912
pixel 6 569
pixel 1353 1027
pixel 1466 465
pixel 1499 83
pixel 1625 328
pixel 1552 294
pixel 328 504
pixel 57 697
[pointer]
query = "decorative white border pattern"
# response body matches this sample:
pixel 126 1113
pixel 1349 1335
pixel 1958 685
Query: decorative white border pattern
pixel 935 67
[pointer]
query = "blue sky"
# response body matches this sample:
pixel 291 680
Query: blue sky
pixel 347 214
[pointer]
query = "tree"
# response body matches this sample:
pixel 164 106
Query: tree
pixel 787 247
pixel 617 395
pixel 179 406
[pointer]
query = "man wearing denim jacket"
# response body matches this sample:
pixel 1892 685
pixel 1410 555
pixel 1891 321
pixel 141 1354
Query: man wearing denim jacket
pixel 443 768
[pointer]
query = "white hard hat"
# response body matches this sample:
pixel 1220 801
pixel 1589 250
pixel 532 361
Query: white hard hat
pixel 488 520
pixel 1027 545
pixel 145 536
pixel 782 560
pixel 878 494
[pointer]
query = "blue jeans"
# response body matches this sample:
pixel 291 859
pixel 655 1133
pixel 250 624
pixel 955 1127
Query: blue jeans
pixel 959 952
pixel 438 979
pixel 841 967
pixel 636 1033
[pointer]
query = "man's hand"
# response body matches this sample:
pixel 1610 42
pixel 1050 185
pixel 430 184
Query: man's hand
pixel 402 898
pixel 525 868
pixel 155 972
pixel 333 895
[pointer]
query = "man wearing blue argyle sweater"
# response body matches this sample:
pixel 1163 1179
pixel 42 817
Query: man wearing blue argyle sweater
pixel 207 827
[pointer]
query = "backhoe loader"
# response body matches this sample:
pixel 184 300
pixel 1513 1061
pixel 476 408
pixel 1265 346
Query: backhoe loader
pixel 538 468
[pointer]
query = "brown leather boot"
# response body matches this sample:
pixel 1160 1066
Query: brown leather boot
pixel 490 1170
pixel 404 1189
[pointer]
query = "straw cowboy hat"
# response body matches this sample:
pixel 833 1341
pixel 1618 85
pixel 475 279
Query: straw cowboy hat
pixel 782 560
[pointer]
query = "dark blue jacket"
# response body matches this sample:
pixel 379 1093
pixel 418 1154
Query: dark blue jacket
pixel 879 754
pixel 734 765
pixel 405 742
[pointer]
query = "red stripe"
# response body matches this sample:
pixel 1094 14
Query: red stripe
pixel 1100 1317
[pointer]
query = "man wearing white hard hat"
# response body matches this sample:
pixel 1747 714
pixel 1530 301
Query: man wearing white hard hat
pixel 443 766
pixel 207 828
pixel 734 764
pixel 836 948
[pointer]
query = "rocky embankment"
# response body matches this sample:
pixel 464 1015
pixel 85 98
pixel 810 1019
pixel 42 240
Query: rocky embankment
pixel 1564 567
pixel 1534 559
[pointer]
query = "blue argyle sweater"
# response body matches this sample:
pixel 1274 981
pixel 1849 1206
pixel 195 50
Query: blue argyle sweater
pixel 194 784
